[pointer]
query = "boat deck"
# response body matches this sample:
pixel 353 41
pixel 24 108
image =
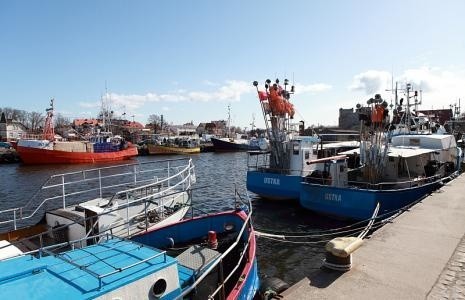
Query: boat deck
pixel 75 274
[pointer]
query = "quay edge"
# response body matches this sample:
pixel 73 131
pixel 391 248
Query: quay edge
pixel 403 260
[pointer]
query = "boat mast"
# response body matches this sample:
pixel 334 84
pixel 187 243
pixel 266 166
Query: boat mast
pixel 229 121
pixel 407 108
pixel 277 111
pixel 49 131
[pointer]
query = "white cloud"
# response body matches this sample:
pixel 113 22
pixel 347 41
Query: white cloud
pixel 440 87
pixel 210 83
pixel 90 104
pixel 312 88
pixel 165 108
pixel 230 91
pixel 371 82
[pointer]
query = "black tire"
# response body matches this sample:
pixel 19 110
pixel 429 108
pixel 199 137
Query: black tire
pixel 274 284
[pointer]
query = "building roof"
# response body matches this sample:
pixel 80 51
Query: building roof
pixel 80 122
pixel 134 125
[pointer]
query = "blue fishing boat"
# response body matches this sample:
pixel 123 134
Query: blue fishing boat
pixel 393 172
pixel 277 173
pixel 205 256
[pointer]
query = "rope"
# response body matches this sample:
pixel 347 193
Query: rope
pixel 363 231
pixel 370 224
pixel 283 239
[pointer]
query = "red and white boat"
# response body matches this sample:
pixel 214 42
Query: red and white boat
pixel 48 150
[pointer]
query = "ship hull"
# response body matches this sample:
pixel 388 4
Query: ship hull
pixel 166 150
pixel 274 186
pixel 227 146
pixel 359 204
pixel 248 283
pixel 35 156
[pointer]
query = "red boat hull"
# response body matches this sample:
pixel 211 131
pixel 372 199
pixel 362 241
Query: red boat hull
pixel 42 156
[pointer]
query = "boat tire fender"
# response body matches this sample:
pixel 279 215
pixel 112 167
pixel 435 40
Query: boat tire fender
pixel 272 286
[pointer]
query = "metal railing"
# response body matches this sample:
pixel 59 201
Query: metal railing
pixel 101 181
pixel 115 269
pixel 108 233
pixel 219 260
pixel 386 185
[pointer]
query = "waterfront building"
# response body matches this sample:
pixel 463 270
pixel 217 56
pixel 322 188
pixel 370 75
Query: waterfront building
pixel 11 130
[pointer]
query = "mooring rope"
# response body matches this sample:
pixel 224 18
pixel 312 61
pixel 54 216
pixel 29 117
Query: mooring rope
pixel 376 221
pixel 370 224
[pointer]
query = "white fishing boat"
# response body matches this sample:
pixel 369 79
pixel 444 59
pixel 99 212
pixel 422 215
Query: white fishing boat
pixel 139 195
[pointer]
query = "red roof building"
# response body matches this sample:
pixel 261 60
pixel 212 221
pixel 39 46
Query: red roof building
pixel 81 122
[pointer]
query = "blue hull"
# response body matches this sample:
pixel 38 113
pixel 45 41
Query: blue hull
pixel 274 186
pixel 359 204
pixel 251 284
pixel 187 230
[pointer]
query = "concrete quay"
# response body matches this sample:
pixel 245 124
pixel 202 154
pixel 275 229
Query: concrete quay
pixel 420 255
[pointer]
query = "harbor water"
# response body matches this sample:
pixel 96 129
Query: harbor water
pixel 218 174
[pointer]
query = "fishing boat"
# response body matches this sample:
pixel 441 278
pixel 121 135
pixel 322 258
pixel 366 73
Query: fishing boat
pixel 237 142
pixel 205 256
pixel 140 195
pixel 277 173
pixel 47 149
pixel 174 145
pixel 392 171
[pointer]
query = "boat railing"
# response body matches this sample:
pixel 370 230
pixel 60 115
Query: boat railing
pixel 72 186
pixel 108 233
pixel 144 195
pixel 42 242
pixel 219 260
pixel 386 185
pixel 41 238
pixel 48 250
pixel 98 276
pixel 32 136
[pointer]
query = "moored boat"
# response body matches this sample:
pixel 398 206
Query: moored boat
pixel 233 144
pixel 113 195
pixel 277 173
pixel 392 173
pixel 48 150
pixel 174 145
pixel 237 142
pixel 209 256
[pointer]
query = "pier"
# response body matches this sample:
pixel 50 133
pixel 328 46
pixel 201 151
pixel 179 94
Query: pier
pixel 420 255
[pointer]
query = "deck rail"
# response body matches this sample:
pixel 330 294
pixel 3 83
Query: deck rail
pixel 108 233
pixel 85 267
pixel 105 233
pixel 61 188
pixel 219 260
pixel 385 185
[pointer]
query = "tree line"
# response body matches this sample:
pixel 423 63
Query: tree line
pixel 33 121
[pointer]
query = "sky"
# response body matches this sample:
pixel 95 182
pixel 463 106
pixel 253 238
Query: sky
pixel 188 60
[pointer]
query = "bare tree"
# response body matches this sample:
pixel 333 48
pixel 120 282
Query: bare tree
pixel 15 114
pixel 61 121
pixel 156 122
pixel 35 120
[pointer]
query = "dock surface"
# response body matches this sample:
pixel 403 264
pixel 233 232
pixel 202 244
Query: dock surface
pixel 420 255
